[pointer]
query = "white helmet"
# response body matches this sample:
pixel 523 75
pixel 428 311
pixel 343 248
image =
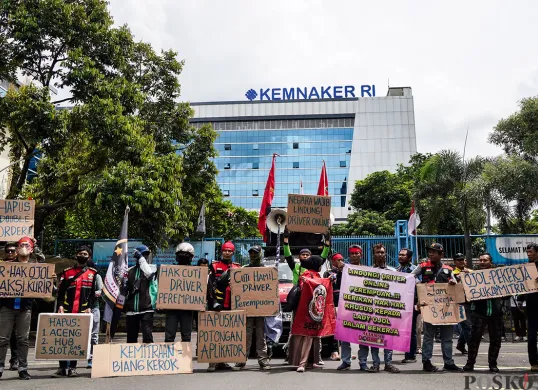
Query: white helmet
pixel 185 247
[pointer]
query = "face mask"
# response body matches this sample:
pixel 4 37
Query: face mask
pixel 82 259
pixel 24 251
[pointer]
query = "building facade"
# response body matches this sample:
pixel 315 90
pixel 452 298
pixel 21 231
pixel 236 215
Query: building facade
pixel 354 136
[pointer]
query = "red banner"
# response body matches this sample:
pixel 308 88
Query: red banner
pixel 268 195
pixel 323 187
pixel 315 314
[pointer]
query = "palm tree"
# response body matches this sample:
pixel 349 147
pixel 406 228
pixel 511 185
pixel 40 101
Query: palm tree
pixel 448 174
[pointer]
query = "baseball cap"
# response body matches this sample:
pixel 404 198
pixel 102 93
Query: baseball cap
pixel 436 247
pixel 459 256
pixel 255 248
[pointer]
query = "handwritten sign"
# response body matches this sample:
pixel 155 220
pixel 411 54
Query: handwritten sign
pixel 182 287
pixel 26 280
pixel 16 219
pixel 63 336
pixel 255 290
pixel 442 303
pixel 375 307
pixel 309 213
pixel 141 359
pixel 222 337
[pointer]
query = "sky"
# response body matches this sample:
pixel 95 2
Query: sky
pixel 468 62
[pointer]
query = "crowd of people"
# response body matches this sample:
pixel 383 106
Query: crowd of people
pixel 79 290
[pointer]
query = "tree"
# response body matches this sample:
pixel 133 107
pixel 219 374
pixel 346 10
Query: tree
pixel 447 174
pixel 364 223
pixel 125 141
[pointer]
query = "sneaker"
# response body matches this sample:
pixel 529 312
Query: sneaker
pixel 300 369
pixel 223 366
pixel 374 368
pixel 239 366
pixel 392 368
pixel 343 367
pixel 24 375
pixel 14 365
pixel 429 367
pixel 363 367
pixel 321 362
pixel 517 338
pixel 90 363
pixel 60 373
pixel 461 348
pixel 524 338
pixel 452 367
pixel 72 373
pixel 493 369
pixel 419 351
pixel 335 357
pixel 468 367
pixel 503 338
pixel 406 360
pixel 264 366
pixel 212 367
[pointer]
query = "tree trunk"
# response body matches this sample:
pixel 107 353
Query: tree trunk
pixel 17 182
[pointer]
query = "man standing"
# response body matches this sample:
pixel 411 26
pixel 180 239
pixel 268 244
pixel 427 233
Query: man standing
pixel 184 256
pixel 517 308
pixel 406 266
pixel 76 294
pixel 95 311
pixel 486 312
pixel 219 287
pixel 380 261
pixel 460 266
pixel 434 271
pixel 141 296
pixel 532 312
pixel 16 314
pixel 255 254
pixel 10 251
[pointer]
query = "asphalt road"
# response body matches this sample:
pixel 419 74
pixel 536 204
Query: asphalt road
pixel 513 361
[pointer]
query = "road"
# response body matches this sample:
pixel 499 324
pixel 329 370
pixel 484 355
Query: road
pixel 513 361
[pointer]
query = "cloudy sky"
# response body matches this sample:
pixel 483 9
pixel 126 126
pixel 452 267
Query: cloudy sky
pixel 468 62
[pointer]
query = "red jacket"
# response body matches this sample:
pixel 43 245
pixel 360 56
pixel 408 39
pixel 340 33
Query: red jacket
pixel 430 274
pixel 223 292
pixel 76 291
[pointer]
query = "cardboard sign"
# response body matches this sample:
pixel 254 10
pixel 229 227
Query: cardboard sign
pixel 16 219
pixel 63 336
pixel 500 282
pixel 255 290
pixel 375 307
pixel 141 359
pixel 309 213
pixel 442 303
pixel 222 337
pixel 26 280
pixel 182 287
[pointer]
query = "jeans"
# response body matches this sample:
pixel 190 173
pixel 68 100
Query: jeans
pixel 532 328
pixel 363 355
pixel 134 322
pixel 495 326
pixel 259 333
pixel 65 364
pixel 20 321
pixel 412 354
pixel 95 328
pixel 519 321
pixel 184 319
pixel 466 326
pixel 446 332
pixel 13 347
pixel 346 352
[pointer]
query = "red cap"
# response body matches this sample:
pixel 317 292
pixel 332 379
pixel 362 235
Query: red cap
pixel 228 245
pixel 27 240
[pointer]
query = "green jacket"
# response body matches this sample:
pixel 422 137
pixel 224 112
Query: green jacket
pixel 296 268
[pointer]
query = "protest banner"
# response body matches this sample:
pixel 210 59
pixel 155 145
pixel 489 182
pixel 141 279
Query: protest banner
pixel 16 219
pixel 141 359
pixel 182 287
pixel 315 313
pixel 500 282
pixel 26 280
pixel 309 213
pixel 63 336
pixel 442 303
pixel 375 307
pixel 222 337
pixel 255 290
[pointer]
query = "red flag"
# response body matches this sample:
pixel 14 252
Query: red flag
pixel 267 199
pixel 323 188
pixel 315 314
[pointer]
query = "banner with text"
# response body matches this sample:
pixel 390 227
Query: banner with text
pixel 141 359
pixel 16 219
pixel 442 303
pixel 222 337
pixel 375 307
pixel 309 213
pixel 182 287
pixel 26 280
pixel 315 313
pixel 500 282
pixel 509 250
pixel 63 336
pixel 255 290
